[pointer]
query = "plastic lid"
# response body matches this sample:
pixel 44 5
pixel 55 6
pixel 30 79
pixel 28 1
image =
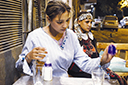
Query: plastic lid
pixel 48 65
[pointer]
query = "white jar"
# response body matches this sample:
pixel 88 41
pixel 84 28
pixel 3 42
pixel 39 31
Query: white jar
pixel 48 70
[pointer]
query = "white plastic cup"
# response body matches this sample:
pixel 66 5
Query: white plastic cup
pixel 98 77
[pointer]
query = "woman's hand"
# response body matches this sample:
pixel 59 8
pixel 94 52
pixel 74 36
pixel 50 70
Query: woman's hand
pixel 106 57
pixel 37 53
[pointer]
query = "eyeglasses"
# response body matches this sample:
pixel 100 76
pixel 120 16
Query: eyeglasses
pixel 88 22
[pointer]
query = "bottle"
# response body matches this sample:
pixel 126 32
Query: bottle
pixel 112 49
pixel 48 70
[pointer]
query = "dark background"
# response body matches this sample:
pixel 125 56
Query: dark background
pixel 108 7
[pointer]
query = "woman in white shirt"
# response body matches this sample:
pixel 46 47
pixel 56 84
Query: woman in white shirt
pixel 59 43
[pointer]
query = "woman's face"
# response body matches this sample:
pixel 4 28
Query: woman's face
pixel 60 24
pixel 85 24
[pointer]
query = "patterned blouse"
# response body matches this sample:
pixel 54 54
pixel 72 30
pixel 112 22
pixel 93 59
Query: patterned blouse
pixel 89 48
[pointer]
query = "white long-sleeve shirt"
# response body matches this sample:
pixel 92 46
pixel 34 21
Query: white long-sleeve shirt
pixel 60 57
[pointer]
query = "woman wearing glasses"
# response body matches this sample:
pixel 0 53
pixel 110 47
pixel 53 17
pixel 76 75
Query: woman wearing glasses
pixel 82 27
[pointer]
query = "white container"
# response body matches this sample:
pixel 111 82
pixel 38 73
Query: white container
pixel 48 70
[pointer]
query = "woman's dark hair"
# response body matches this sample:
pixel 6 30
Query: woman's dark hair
pixel 55 8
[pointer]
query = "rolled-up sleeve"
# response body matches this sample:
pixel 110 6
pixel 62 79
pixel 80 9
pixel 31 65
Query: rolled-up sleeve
pixel 21 63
